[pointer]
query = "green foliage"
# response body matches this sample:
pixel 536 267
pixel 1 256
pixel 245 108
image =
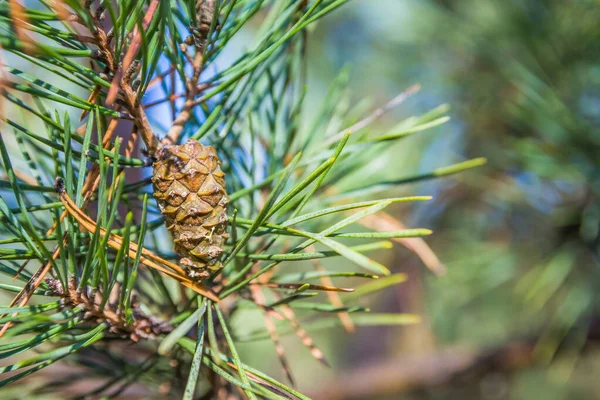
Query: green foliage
pixel 84 96
pixel 531 116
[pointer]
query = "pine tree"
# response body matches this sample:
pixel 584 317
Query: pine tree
pixel 93 94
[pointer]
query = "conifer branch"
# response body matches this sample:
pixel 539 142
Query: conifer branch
pixel 141 326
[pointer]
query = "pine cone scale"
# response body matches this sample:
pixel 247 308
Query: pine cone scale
pixel 189 187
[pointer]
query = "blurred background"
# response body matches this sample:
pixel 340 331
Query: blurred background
pixel 515 315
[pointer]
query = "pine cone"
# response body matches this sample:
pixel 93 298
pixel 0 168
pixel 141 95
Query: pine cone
pixel 205 10
pixel 190 189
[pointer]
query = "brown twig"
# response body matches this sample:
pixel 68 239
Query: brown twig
pixel 121 83
pixel 122 79
pixel 199 88
pixel 205 13
pixel 143 326
pixel 186 112
pixel 140 119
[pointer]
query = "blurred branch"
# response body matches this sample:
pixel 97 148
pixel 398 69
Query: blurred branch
pixel 419 371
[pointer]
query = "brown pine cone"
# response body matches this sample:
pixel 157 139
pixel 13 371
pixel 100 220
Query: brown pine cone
pixel 205 10
pixel 190 189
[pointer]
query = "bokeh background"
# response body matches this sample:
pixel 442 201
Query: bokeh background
pixel 515 316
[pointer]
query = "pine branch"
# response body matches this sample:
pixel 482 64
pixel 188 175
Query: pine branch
pixel 96 311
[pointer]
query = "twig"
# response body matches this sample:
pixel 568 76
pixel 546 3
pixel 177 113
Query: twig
pixel 121 81
pixel 143 326
pixel 200 32
pixel 140 118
